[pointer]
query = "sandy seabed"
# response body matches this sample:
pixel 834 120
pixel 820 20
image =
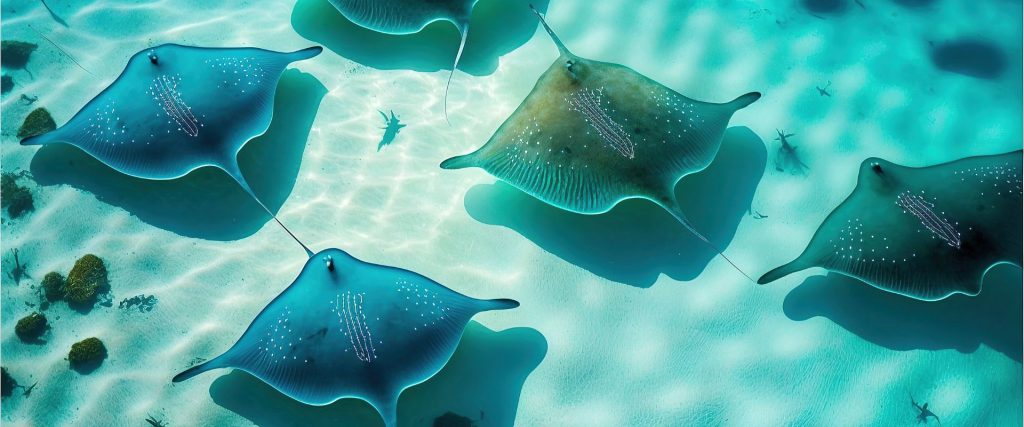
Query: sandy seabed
pixel 620 323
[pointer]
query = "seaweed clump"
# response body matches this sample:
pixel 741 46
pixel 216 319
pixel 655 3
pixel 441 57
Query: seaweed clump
pixel 31 327
pixel 15 54
pixel 87 355
pixel 13 197
pixel 87 279
pixel 54 286
pixel 143 302
pixel 7 383
pixel 38 122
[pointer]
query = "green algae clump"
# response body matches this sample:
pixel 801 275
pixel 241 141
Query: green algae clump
pixel 31 327
pixel 54 286
pixel 87 279
pixel 13 197
pixel 38 122
pixel 87 354
pixel 15 54
pixel 7 383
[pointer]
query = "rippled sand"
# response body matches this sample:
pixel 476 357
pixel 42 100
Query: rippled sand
pixel 714 350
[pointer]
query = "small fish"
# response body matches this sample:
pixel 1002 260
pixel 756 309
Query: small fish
pixel 153 422
pixel 786 157
pixel 823 91
pixel 391 128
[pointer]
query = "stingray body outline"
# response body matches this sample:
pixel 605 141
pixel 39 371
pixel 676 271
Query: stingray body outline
pixel 640 136
pixel 390 349
pixel 179 89
pixel 954 232
pixel 386 16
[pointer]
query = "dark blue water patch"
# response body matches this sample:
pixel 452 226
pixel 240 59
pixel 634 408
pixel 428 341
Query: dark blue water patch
pixel 482 382
pixel 970 57
pixel 206 203
pixel 825 7
pixel 496 28
pixel 637 241
pixel 896 322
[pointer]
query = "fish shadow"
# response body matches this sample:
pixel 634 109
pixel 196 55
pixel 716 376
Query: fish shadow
pixel 482 381
pixel 206 203
pixel 496 28
pixel 637 240
pixel 896 322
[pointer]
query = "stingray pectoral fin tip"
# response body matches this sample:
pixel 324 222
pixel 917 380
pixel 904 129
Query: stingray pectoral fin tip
pixel 778 273
pixel 458 162
pixel 744 100
pixel 191 372
pixel 307 53
pixel 501 304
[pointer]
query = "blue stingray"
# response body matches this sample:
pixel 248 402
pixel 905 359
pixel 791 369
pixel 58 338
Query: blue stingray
pixel 177 108
pixel 410 16
pixel 347 328
pixel 926 233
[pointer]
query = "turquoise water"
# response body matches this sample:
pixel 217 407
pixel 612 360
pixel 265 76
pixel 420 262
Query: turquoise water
pixel 625 318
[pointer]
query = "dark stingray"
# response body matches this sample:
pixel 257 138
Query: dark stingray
pixel 177 108
pixel 347 328
pixel 925 232
pixel 591 134
pixel 410 16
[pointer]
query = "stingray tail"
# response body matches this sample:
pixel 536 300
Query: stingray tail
pixel 554 37
pixel 464 31
pixel 387 407
pixel 672 206
pixel 744 100
pixel 237 175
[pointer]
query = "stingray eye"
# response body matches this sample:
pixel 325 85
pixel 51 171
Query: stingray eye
pixel 572 67
pixel 153 58
pixel 876 167
pixel 329 262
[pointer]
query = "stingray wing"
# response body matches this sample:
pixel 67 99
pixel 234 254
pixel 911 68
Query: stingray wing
pixel 593 133
pixel 922 232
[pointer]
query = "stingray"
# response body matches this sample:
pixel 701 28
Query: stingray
pixel 591 134
pixel 177 108
pixel 408 17
pixel 925 233
pixel 347 328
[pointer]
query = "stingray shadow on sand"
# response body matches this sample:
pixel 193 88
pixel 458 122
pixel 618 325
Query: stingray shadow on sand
pixel 482 382
pixel 206 203
pixel 636 241
pixel 896 322
pixel 496 28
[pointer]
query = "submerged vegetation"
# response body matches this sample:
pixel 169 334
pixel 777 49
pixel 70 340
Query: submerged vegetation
pixel 15 54
pixel 13 197
pixel 53 285
pixel 38 122
pixel 87 279
pixel 87 354
pixel 7 383
pixel 31 327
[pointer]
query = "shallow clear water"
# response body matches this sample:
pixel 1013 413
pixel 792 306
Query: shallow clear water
pixel 625 318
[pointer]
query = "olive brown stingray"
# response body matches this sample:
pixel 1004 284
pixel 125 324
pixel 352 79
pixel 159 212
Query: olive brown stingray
pixel 177 108
pixel 925 233
pixel 347 328
pixel 408 17
pixel 591 134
